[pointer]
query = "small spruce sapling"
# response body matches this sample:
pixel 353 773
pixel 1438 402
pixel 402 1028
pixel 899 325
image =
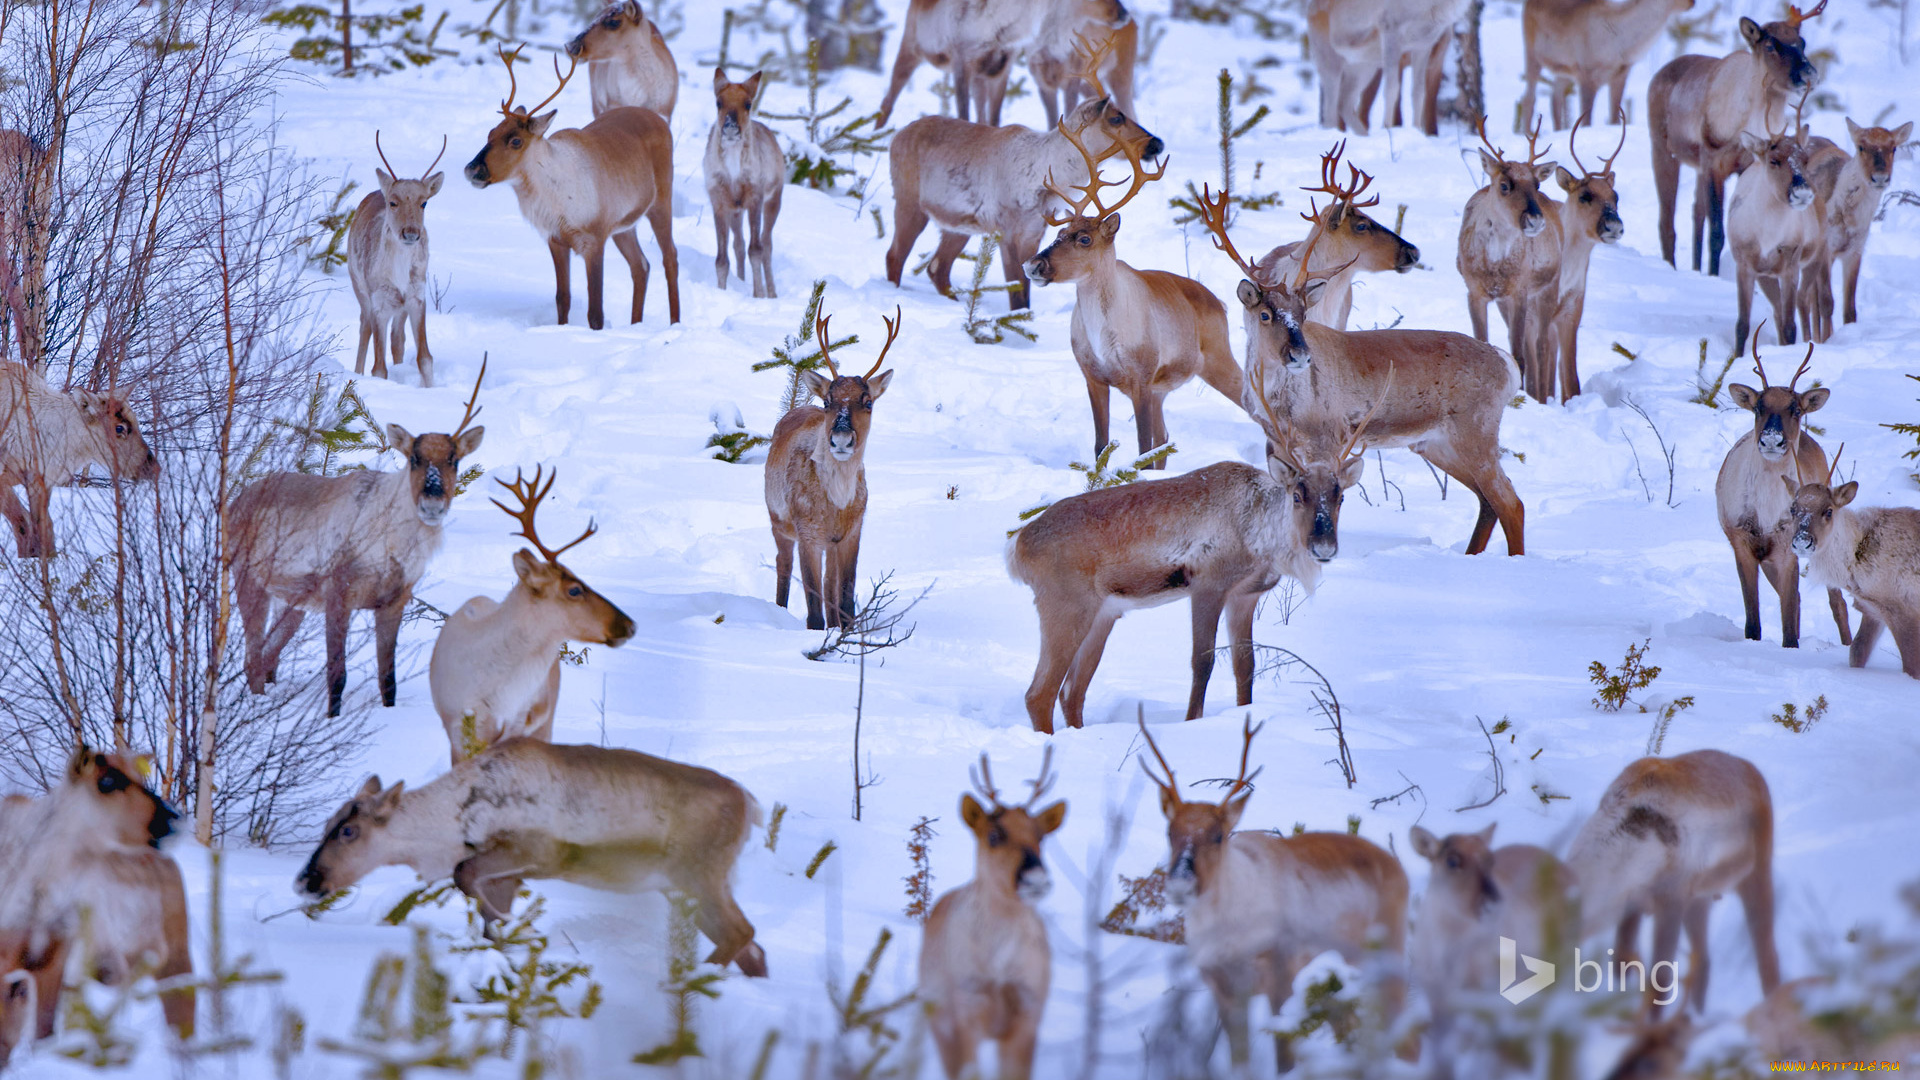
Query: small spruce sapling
pixel 1793 719
pixel 982 329
pixel 814 159
pixel 1913 432
pixel 800 353
pixel 1189 203
pixel 686 984
pixel 920 882
pixel 1098 475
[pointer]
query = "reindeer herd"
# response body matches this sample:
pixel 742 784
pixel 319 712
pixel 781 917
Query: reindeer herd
pixel 1670 834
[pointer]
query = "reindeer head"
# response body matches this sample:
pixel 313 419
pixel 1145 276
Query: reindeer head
pixel 1007 850
pixel 1777 410
pixel 1593 203
pixel 433 460
pixel 1516 184
pixel 1108 131
pixel 517 131
pixel 105 794
pixel 1344 232
pixel 585 614
pixel 1316 485
pixel 735 102
pixel 1780 162
pixel 1781 50
pixel 1197 832
pixel 407 199
pixel 122 450
pixel 1876 147
pixel 355 842
pixel 1088 227
pixel 601 38
pixel 1462 869
pixel 1814 503
pixel 849 398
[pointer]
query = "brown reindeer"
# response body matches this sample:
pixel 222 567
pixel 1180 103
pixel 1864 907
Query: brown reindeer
pixel 1592 43
pixel 48 438
pixel 1775 227
pixel 340 544
pixel 1346 240
pixel 1259 905
pixel 1057 57
pixel 1697 108
pixel 83 877
pixel 746 174
pixel 1872 552
pixel 1669 836
pixel 584 185
pixel 628 62
pixel 26 215
pixel 1313 378
pixel 496 664
pixel 817 483
pixel 1221 536
pixel 1343 38
pixel 1145 331
pixel 1591 215
pixel 1476 895
pixel 984 962
pixel 387 263
pixel 1511 247
pixel 1752 505
pixel 597 816
pixel 1850 186
pixel 971 179
pixel 974 42
pixel 1414 34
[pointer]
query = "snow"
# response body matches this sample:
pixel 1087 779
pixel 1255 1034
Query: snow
pixel 1420 641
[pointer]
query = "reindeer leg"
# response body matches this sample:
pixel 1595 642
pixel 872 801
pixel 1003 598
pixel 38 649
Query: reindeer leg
pixel 1747 567
pixel 1206 629
pixel 254 604
pixel 769 213
pixel 1015 250
pixel 1472 479
pixel 722 223
pixel 1864 639
pixel 1569 327
pixel 337 615
pixel 1850 271
pixel 16 515
pixel 1064 624
pixel 39 518
pixel 909 221
pixel 1697 953
pixel 1016 1048
pixel 847 560
pixel 1666 182
pixel 1743 302
pixel 595 254
pixel 1099 394
pixel 782 566
pixel 386 637
pixel 1667 919
pixel 1756 898
pixel 396 344
pixel 940 271
pixel 1230 1000
pixel 810 573
pixel 756 252
pixel 562 271
pixel 422 356
pixel 1784 575
pixel 1143 428
pixel 627 243
pixel 1086 660
pixel 660 216
pixel 1838 603
pixel 1241 607
pixel 177 1005
pixel 492 877
pixel 907 59
pixel 1716 220
pixel 720 918
pixel 366 337
pixel 1702 186
pixel 1477 313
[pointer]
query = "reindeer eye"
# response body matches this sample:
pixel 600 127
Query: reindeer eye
pixel 1453 862
pixel 120 429
pixel 1117 120
pixel 348 832
pixel 1826 513
pixel 111 782
pixel 576 591
pixel 1505 187
pixel 996 838
pixel 1266 316
pixel 1359 226
pixel 1084 240
pixel 514 142
pixel 1585 197
pixel 1299 499
pixel 391 205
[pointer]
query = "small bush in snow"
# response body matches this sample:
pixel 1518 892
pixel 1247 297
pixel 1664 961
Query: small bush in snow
pixel 920 882
pixel 1791 718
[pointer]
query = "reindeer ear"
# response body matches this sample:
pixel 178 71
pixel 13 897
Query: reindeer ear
pixel 1902 133
pixel 1486 834
pixel 1567 180
pixel 1235 806
pixel 433 183
pixel 384 802
pixel 1544 172
pixel 632 10
pixel 1744 396
pixel 1844 494
pixel 1753 144
pixel 972 812
pixel 1792 489
pixel 1312 290
pixel 81 761
pixel 720 80
pixel 544 121
pixel 1811 400
pixel 1489 164
pixel 1249 294
pixel 1052 817
pixel 525 562
pixel 1751 31
pixel 371 788
pixel 878 384
pixel 817 381
pixel 753 87
pixel 1855 131
pixel 1425 844
pixel 469 440
pixel 1352 469
pixel 399 439
pixel 1110 226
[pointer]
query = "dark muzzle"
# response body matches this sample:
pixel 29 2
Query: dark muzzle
pixel 1773 438
pixel 1154 147
pixel 576 45
pixel 1040 268
pixel 1611 227
pixel 1325 540
pixel 160 826
pixel 1409 258
pixel 1532 220
pixel 476 171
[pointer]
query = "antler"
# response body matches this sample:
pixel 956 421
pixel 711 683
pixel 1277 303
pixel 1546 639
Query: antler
pixel 390 169
pixel 983 782
pixel 1353 437
pixel 473 412
pixel 1357 182
pixel 1043 783
pixel 513 84
pixel 820 331
pixel 1796 16
pixel 1279 432
pixel 1077 207
pixel 1488 143
pixel 1533 155
pixel 530 496
pixel 1607 165
pixel 1805 363
pixel 1214 214
pixel 573 63
pixel 1169 786
pixel 1092 57
pixel 1835 463
pixel 1247 731
pixel 893 331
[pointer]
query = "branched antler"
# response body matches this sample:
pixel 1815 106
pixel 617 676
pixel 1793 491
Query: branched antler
pixel 1091 57
pixel 1606 165
pixel 983 783
pixel 507 107
pixel 1248 729
pixel 893 331
pixel 513 84
pixel 1168 787
pixel 474 409
pixel 1760 369
pixel 1796 16
pixel 1343 201
pixel 1090 191
pixel 529 496
pixel 1533 138
pixel 1359 429
pixel 1213 213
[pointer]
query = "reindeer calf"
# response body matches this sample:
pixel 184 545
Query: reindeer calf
pixel 387 262
pixel 48 438
pixel 1872 552
pixel 746 174
pixel 628 62
pixel 1850 185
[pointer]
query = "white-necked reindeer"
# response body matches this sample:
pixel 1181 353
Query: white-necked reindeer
pixel 47 438
pixel 340 544
pixel 1872 552
pixel 984 963
pixel 497 663
pixel 746 174
pixel 387 262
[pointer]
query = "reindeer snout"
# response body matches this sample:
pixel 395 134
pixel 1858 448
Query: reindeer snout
pixel 1800 194
pixel 576 45
pixel 1154 147
pixel 1532 222
pixel 1409 258
pixel 1326 542
pixel 160 826
pixel 150 468
pixel 409 236
pixel 310 881
pixel 1772 440
pixel 1033 883
pixel 1182 885
pixel 476 170
pixel 1611 228
pixel 622 631
pixel 1040 270
pixel 1802 542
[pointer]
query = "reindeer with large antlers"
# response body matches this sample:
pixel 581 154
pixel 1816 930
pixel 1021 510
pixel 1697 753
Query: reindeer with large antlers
pixel 1752 504
pixel 1259 905
pixel 1342 241
pixel 496 664
pixel 1510 252
pixel 340 544
pixel 1591 215
pixel 581 186
pixel 387 262
pixel 1445 403
pixel 817 482
pixel 984 963
pixel 1699 106
pixel 971 179
pixel 1145 331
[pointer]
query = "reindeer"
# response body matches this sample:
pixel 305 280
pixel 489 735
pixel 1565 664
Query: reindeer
pixel 584 185
pixel 1259 906
pixel 497 664
pixel 1347 241
pixel 1669 836
pixel 746 174
pixel 1068 30
pixel 817 483
pixel 1477 895
pixel 26 215
pixel 1590 42
pixel 1343 39
pixel 1511 248
pixel 48 438
pixel 1221 536
pixel 1849 185
pixel 341 544
pixel 387 262
pixel 1697 108
pixel 1415 34
pixel 597 816
pixel 1314 377
pixel 1145 331
pixel 971 179
pixel 984 962
pixel 1751 504
pixel 1775 226
pixel 83 875
pixel 1872 552
pixel 628 62
pixel 1590 215
pixel 974 42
